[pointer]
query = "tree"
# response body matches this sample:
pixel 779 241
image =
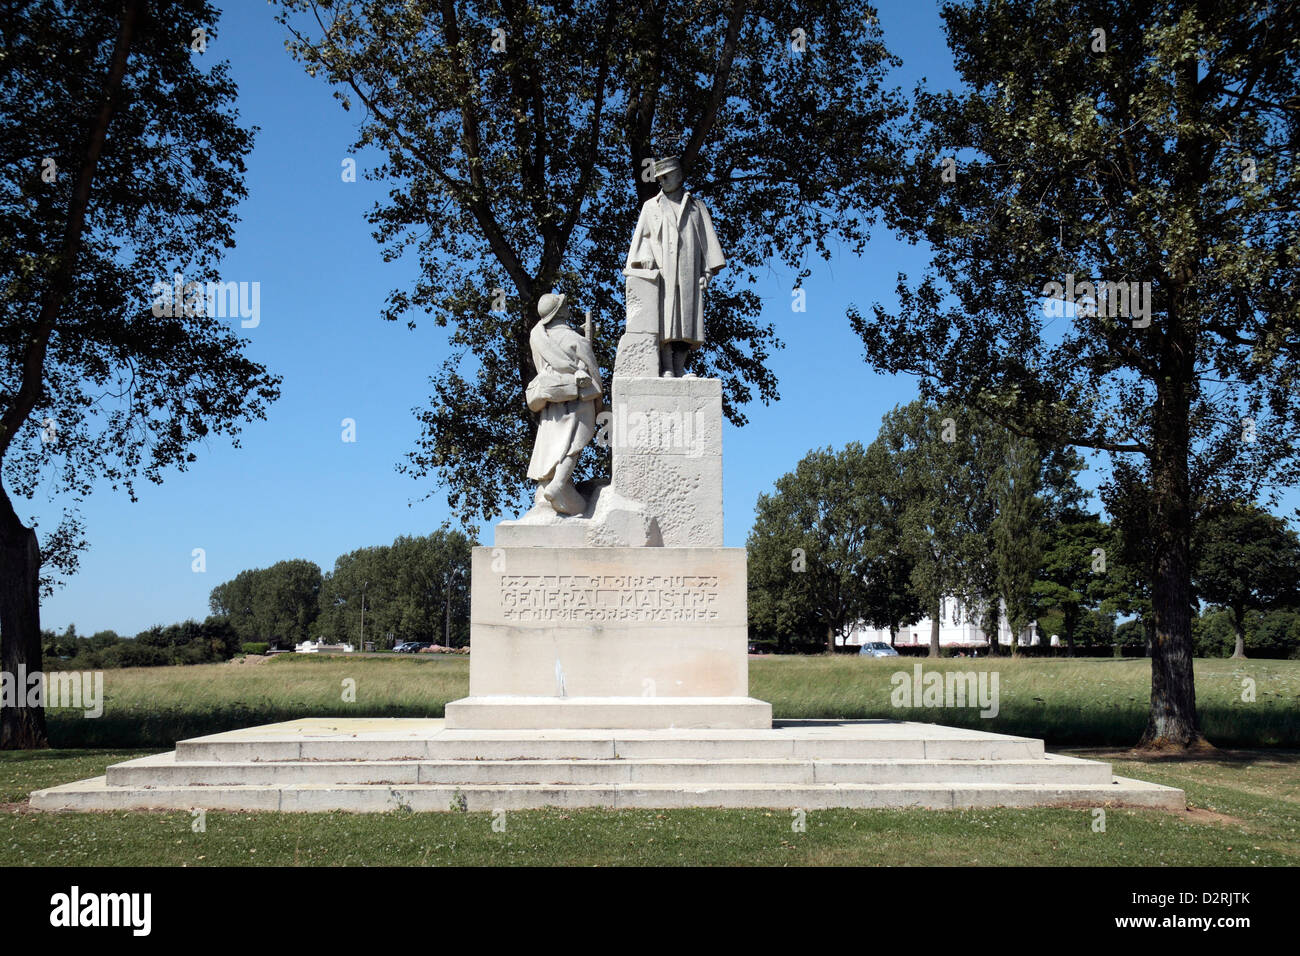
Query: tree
pixel 516 140
pixel 816 543
pixel 890 603
pixel 1020 491
pixel 1245 559
pixel 1074 578
pixel 127 163
pixel 1017 537
pixel 1146 150
pixel 278 604
pixel 287 601
pixel 417 589
pixel 189 642
pixel 973 501
pixel 931 478
pixel 1130 560
pixel 234 601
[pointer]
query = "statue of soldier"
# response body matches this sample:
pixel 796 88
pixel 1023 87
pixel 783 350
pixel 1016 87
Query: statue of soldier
pixel 566 394
pixel 674 238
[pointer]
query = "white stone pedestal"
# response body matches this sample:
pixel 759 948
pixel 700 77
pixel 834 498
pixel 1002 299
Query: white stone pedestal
pixel 667 454
pixel 608 637
pixel 609 713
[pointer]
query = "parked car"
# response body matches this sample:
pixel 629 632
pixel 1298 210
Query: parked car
pixel 877 649
pixel 404 647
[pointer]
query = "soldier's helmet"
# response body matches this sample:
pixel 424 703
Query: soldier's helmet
pixel 549 306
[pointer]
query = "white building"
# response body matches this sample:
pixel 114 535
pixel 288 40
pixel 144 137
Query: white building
pixel 954 628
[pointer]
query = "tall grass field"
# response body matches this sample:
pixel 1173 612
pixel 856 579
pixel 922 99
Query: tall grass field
pixel 1075 702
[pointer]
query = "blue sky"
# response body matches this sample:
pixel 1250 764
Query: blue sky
pixel 295 489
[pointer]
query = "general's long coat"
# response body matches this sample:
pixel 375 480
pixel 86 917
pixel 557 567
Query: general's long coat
pixel 681 244
pixel 567 416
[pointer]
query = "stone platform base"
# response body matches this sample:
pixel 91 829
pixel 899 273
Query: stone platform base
pixel 615 713
pixel 609 622
pixel 397 764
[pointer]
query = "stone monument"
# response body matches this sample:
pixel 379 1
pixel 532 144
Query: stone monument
pixel 620 608
pixel 609 632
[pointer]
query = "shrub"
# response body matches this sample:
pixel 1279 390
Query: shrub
pixel 1274 635
pixel 255 647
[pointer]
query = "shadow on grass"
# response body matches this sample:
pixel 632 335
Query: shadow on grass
pixel 1099 726
pixel 1222 757
pixel 53 752
pixel 1076 724
pixel 163 727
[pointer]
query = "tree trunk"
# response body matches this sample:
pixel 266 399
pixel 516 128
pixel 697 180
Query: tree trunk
pixel 1071 619
pixel 1239 652
pixel 934 630
pixel 893 634
pixel 830 639
pixel 992 628
pixel 1172 722
pixel 21 727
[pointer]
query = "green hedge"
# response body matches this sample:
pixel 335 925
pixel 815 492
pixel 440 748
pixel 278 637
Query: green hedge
pixel 255 647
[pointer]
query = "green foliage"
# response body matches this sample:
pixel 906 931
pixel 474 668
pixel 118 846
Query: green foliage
pixel 1271 634
pixel 1168 158
pixel 153 192
pixel 975 503
pixel 189 642
pixel 1018 533
pixel 933 480
pixel 1075 575
pixel 255 647
pixel 942 505
pixel 520 168
pixel 278 604
pixel 1275 634
pixel 823 552
pixel 124 168
pixel 1245 560
pixel 415 589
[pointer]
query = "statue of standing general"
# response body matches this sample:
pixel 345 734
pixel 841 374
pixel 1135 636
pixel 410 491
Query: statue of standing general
pixel 675 243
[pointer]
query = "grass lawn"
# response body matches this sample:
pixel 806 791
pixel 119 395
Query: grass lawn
pixel 1245 803
pixel 1081 702
pixel 1246 812
pixel 1098 701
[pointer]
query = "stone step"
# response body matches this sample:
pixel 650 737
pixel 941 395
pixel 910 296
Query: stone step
pixel 165 770
pixel 96 794
pixel 430 740
pixel 630 713
pixel 364 764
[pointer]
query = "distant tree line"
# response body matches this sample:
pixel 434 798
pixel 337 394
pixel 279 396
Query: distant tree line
pixel 416 589
pixel 946 504
pixel 190 642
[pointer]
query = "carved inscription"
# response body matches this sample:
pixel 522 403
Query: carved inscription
pixel 593 598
